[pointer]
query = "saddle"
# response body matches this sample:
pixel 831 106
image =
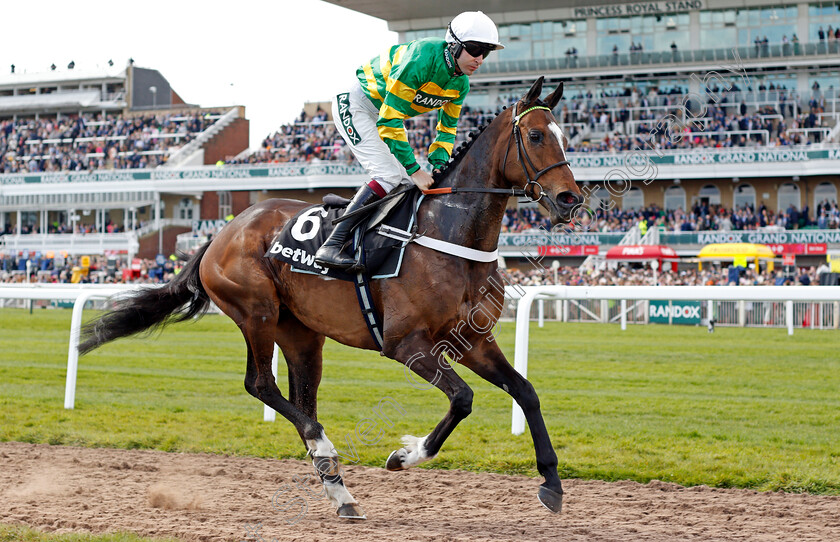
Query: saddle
pixel 301 237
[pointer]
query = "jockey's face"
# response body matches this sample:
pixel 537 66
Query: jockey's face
pixel 467 63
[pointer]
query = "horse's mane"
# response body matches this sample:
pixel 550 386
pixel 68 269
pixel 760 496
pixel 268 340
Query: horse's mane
pixel 461 151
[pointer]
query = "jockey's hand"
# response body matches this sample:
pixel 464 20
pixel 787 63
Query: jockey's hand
pixel 422 179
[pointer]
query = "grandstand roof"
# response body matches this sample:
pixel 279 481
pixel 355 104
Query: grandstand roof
pixel 41 102
pixel 61 76
pixel 400 11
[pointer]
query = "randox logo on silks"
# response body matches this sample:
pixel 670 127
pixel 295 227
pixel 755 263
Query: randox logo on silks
pixel 346 119
pixel 448 58
pixel 429 100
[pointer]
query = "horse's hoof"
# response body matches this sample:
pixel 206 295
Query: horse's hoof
pixel 394 462
pixel 551 499
pixel 351 510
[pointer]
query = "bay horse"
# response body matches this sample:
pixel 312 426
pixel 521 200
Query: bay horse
pixel 429 310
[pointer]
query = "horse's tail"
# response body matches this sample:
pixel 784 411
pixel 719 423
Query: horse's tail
pixel 150 308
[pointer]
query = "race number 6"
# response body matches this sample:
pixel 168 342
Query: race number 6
pixel 309 217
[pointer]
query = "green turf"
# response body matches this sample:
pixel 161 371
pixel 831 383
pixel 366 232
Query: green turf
pixel 738 408
pixel 17 533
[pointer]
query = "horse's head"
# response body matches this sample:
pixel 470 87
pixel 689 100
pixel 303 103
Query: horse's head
pixel 534 156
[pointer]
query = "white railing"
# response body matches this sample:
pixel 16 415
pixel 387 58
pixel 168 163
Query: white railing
pixel 813 315
pixel 183 154
pixel 524 298
pixel 152 225
pixel 777 294
pixel 72 243
pixel 832 136
pixel 80 295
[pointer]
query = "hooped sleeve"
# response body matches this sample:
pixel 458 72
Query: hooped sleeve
pixel 441 148
pixel 404 78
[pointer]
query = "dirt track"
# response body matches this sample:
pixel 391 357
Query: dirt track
pixel 207 497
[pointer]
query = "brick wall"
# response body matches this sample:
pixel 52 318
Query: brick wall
pixel 149 244
pixel 230 142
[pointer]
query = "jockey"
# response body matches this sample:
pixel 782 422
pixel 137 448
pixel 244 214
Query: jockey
pixel 405 81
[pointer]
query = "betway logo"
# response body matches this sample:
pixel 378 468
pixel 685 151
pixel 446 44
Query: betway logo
pixel 297 255
pixel 674 311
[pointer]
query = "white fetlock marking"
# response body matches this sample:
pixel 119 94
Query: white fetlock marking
pixel 414 451
pixel 321 447
pixel 338 494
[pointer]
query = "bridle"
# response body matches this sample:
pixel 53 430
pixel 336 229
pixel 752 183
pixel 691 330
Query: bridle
pixel 521 152
pixel 533 184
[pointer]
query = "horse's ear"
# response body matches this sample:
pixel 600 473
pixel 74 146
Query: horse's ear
pixel 554 98
pixel 536 89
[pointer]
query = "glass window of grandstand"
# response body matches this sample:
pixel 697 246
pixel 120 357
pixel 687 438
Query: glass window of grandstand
pixel 29 221
pixel 185 209
pixel 633 199
pixel 412 35
pixel 652 32
pixel 599 198
pixel 744 196
pixel 748 27
pixel 821 16
pixel 769 85
pixel 788 195
pixel 225 204
pixel 825 193
pixel 709 195
pixel 540 40
pixel 674 198
pixel 824 85
pixel 672 86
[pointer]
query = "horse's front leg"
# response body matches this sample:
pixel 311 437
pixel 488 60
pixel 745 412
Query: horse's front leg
pixel 417 353
pixel 488 362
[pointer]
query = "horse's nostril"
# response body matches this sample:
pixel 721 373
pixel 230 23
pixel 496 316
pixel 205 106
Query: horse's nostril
pixel 567 198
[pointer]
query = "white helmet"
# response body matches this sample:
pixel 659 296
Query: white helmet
pixel 473 26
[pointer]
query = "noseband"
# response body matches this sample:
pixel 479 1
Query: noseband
pixel 521 152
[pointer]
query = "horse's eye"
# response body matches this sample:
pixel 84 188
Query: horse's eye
pixel 535 136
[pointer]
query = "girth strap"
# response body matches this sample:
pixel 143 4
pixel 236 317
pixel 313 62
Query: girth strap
pixel 362 283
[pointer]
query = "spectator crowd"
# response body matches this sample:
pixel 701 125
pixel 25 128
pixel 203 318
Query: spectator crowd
pixel 61 268
pixel 700 217
pixel 90 142
pixel 644 276
pixel 617 120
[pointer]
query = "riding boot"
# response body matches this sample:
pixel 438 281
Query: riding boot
pixel 331 253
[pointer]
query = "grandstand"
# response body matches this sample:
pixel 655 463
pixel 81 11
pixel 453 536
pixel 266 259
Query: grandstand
pixel 713 120
pixel 77 152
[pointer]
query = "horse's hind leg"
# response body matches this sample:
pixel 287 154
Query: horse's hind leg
pixel 302 349
pixel 415 352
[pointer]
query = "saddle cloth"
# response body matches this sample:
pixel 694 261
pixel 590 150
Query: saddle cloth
pixel 304 234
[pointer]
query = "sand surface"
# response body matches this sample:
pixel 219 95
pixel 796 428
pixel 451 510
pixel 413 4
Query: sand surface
pixel 212 497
